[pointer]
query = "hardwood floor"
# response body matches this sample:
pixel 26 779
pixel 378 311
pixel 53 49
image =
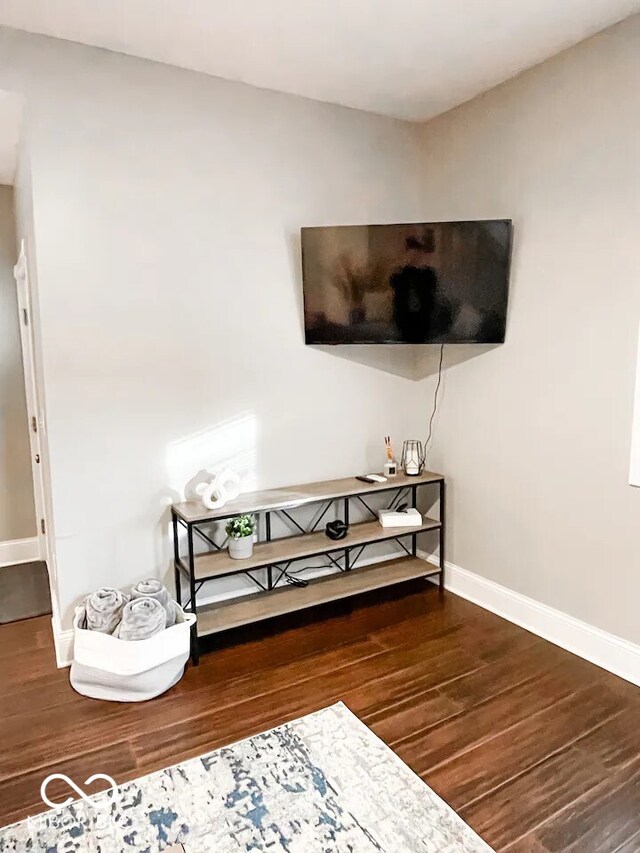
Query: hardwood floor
pixel 536 749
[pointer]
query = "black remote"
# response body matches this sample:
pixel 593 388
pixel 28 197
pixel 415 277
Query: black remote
pixel 366 479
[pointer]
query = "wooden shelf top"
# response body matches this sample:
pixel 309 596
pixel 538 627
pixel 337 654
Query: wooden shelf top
pixel 218 563
pixel 213 618
pixel 288 497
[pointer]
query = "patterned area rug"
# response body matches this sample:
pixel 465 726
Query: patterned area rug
pixel 319 784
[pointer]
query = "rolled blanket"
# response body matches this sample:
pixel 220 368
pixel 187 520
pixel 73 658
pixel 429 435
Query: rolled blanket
pixel 141 619
pixel 152 588
pixel 104 609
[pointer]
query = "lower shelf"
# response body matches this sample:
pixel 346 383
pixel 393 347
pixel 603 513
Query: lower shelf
pixel 214 618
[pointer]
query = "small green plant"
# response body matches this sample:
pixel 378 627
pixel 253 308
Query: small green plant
pixel 238 528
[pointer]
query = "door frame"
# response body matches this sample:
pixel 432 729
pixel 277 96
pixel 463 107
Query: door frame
pixel 37 424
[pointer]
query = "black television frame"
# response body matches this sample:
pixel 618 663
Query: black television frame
pixel 507 221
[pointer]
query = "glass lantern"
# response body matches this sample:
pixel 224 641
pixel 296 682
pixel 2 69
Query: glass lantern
pixel 412 457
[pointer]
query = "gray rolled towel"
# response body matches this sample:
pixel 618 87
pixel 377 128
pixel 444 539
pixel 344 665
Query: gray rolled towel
pixel 152 588
pixel 103 609
pixel 141 619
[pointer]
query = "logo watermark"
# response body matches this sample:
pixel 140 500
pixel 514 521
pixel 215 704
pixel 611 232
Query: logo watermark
pixel 81 794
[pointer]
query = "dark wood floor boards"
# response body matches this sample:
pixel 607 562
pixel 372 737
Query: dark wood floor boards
pixel 538 750
pixel 495 709
pixel 603 819
pixel 492 763
pixel 630 846
pixel 511 811
pixel 606 816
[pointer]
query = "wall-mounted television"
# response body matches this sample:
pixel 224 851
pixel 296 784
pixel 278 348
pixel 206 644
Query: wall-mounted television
pixel 420 283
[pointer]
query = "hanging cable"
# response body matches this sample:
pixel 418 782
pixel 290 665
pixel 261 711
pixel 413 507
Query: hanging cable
pixel 435 404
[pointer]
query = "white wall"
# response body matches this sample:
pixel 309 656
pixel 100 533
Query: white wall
pixel 535 435
pixel 167 208
pixel 17 514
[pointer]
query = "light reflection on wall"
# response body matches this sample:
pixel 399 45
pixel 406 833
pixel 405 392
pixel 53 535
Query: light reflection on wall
pixel 229 444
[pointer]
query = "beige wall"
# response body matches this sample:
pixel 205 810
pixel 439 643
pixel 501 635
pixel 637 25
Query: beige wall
pixel 535 435
pixel 17 514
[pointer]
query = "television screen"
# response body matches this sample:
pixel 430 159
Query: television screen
pixel 440 282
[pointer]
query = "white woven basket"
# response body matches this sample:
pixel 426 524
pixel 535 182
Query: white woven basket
pixel 106 667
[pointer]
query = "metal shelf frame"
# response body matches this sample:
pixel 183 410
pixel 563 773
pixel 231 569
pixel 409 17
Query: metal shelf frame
pixel 344 558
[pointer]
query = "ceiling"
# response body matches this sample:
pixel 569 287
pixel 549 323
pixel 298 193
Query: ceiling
pixel 10 120
pixel 411 59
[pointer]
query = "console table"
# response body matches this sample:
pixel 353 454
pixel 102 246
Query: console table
pixel 272 557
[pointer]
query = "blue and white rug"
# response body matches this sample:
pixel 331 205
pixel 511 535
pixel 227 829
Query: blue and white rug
pixel 320 784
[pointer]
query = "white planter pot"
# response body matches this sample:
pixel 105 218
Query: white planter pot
pixel 240 549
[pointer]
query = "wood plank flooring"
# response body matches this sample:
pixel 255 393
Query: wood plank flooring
pixel 536 749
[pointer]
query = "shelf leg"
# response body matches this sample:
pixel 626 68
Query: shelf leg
pixel 414 538
pixel 442 535
pixel 195 645
pixel 176 557
pixel 267 521
pixel 347 560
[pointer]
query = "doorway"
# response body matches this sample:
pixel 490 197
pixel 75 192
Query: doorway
pixel 24 582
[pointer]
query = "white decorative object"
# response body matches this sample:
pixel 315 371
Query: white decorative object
pixel 212 496
pixel 221 488
pixel 230 482
pixel 190 489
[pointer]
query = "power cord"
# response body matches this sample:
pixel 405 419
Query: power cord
pixel 435 405
pixel 290 575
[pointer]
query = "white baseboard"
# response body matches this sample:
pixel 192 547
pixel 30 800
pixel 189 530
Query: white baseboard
pixel 19 551
pixel 63 641
pixel 612 653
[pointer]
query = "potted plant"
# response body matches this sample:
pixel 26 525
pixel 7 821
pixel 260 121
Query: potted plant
pixel 240 531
